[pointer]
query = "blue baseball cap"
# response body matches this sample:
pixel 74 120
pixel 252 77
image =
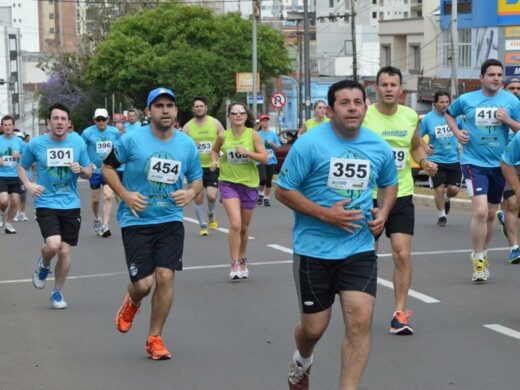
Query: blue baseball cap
pixel 159 92
pixel 510 80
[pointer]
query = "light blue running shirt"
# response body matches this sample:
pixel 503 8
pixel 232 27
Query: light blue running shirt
pixel 52 160
pixel 444 143
pixel 155 168
pixel 131 127
pixel 99 143
pixel 488 137
pixel 327 169
pixel 511 155
pixel 270 136
pixel 7 147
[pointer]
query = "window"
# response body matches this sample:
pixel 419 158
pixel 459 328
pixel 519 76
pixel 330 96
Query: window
pixel 381 15
pixel 374 15
pixel 414 58
pixel 465 48
pixel 51 30
pixel 386 55
pixel 51 15
pixel 374 2
pixel 405 14
pixel 331 3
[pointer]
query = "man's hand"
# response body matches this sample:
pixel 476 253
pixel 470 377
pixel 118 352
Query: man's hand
pixel 135 201
pixel 182 197
pixel 34 189
pixel 502 116
pixel 75 168
pixel 16 155
pixel 429 150
pixel 377 225
pixel 345 219
pixel 429 167
pixel 213 166
pixel 462 136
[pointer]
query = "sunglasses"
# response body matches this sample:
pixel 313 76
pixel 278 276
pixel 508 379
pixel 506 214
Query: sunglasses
pixel 235 113
pixel 100 119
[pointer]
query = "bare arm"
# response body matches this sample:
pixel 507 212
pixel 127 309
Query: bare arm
pixel 419 154
pixel 215 152
pixel 302 130
pixel 33 188
pixel 461 135
pixel 388 196
pixel 511 177
pixel 134 200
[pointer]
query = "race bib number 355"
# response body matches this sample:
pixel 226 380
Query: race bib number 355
pixel 60 157
pixel 348 174
pixel 486 116
pixel 164 171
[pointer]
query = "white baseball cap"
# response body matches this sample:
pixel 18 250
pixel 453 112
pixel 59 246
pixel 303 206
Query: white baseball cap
pixel 100 112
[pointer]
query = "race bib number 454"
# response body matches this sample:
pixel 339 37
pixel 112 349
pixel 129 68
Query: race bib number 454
pixel 60 157
pixel 348 174
pixel 164 171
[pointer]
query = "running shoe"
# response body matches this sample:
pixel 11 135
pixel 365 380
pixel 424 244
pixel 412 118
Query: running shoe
pixel 40 274
pixel 15 219
pixel 399 324
pixel 502 223
pixel 298 377
pixel 480 270
pixel 260 200
pixel 125 315
pixel 442 221
pixel 244 272
pixel 23 217
pixel 9 228
pixel 267 202
pixel 447 206
pixel 212 221
pixel 155 347
pixel 57 300
pixel 234 274
pixel 98 225
pixel 203 232
pixel 514 256
pixel 2 219
pixel 105 231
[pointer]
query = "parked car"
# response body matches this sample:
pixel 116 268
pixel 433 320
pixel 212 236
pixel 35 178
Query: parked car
pixel 287 138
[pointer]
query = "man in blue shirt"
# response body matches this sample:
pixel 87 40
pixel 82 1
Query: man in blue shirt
pixel 266 172
pixel 443 149
pixel 157 159
pixel 328 179
pixel 132 123
pixel 60 158
pixel 490 112
pixel 100 139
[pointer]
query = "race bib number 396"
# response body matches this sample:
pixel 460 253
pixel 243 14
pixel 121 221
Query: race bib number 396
pixel 60 157
pixel 164 171
pixel 348 174
pixel 486 116
pixel 103 147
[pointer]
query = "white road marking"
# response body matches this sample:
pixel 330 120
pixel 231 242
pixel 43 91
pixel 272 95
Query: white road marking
pixel 281 248
pixel 504 330
pixel 223 230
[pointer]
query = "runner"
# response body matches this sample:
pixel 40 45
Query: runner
pixel 398 125
pixel 508 218
pixel 204 130
pixel 132 123
pixel 157 160
pixel 266 172
pixel 328 179
pixel 100 138
pixel 443 149
pixel 320 112
pixel 490 112
pixel 22 206
pixel 60 158
pixel 11 150
pixel 242 148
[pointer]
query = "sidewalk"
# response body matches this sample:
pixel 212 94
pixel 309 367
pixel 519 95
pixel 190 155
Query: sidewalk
pixel 424 197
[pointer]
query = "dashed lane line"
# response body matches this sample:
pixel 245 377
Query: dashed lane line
pixel 223 230
pixel 503 330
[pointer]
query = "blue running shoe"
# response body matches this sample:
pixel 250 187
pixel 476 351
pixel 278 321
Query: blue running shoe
pixel 400 325
pixel 57 300
pixel 514 256
pixel 502 222
pixel 40 274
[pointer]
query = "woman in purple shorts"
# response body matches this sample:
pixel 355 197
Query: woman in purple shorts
pixel 238 181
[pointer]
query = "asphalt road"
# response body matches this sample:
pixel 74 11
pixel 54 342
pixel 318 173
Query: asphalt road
pixel 238 335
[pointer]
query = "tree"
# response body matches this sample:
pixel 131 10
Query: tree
pixel 186 48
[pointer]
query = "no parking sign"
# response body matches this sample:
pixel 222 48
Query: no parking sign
pixel 278 100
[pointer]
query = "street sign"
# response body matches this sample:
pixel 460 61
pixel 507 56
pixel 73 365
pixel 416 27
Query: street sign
pixel 278 100
pixel 512 70
pixel 259 99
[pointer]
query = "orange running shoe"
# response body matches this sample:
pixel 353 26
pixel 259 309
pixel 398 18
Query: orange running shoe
pixel 155 347
pixel 125 315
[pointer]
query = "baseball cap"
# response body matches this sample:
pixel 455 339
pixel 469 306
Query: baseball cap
pixel 264 116
pixel 100 112
pixel 510 80
pixel 158 92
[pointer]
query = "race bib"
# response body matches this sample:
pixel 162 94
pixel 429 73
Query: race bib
pixel 348 174
pixel 270 154
pixel 400 156
pixel 486 116
pixel 9 161
pixel 204 147
pixel 163 170
pixel 60 157
pixel 443 131
pixel 234 157
pixel 103 147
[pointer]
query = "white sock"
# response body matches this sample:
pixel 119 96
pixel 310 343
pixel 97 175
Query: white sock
pixel 478 256
pixel 442 213
pixel 211 207
pixel 199 211
pixel 304 362
pixel 261 193
pixel 266 197
pixel 514 247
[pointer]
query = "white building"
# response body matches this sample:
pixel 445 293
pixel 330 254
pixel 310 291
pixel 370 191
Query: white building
pixel 22 14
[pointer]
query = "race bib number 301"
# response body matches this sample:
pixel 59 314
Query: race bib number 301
pixel 103 147
pixel 348 174
pixel 60 157
pixel 204 147
pixel 486 116
pixel 164 171
pixel 400 155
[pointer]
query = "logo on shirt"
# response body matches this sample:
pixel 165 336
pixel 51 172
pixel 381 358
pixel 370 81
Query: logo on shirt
pixel 394 133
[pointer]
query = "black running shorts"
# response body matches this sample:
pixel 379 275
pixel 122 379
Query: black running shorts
pixel 401 218
pixel 64 223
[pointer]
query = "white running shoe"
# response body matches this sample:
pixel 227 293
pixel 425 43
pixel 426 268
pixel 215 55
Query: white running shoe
pixel 234 274
pixel 98 225
pixel 242 268
pixel 9 228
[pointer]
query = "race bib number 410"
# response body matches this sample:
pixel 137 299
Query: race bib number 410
pixel 9 161
pixel 60 157
pixel 164 171
pixel 348 174
pixel 486 116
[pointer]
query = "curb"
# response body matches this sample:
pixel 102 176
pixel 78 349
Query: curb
pixel 427 200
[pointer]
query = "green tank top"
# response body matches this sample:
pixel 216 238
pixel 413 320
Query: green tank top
pixel 397 130
pixel 236 168
pixel 311 123
pixel 204 136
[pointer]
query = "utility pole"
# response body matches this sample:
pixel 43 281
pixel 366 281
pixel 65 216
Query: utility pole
pixel 353 32
pixel 307 59
pixel 256 14
pixel 454 50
